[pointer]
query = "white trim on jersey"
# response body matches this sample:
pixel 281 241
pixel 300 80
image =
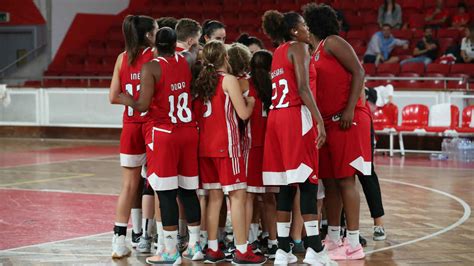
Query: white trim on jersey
pixel 132 160
pixel 306 120
pixel 234 187
pixel 173 182
pixel 211 186
pixel 188 182
pixel 253 189
pixel 298 175
pixel 146 49
pixel 232 130
pixel 150 145
pixel 362 166
pixel 162 58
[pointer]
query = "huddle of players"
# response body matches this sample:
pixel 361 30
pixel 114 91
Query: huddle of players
pixel 243 125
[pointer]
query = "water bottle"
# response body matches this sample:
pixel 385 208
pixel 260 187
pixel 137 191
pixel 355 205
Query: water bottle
pixel 444 147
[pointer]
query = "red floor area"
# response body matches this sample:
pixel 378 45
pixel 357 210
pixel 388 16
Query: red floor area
pixel 44 156
pixel 33 217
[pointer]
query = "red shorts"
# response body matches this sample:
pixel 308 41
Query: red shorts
pixel 132 145
pixel 172 157
pixel 254 163
pixel 347 152
pixel 223 173
pixel 290 153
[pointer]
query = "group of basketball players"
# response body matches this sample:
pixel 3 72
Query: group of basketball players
pixel 213 122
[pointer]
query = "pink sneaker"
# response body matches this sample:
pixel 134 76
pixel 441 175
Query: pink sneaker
pixel 331 245
pixel 346 252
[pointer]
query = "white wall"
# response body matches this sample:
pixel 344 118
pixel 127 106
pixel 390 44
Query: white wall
pixel 64 11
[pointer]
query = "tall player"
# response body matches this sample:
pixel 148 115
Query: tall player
pixel 172 166
pixel 340 84
pixel 221 163
pixel 291 141
pixel 139 33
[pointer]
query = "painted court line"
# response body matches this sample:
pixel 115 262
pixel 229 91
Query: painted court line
pixel 46 180
pixel 62 191
pixel 57 162
pixel 466 215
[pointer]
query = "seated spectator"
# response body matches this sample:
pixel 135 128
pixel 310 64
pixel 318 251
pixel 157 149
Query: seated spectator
pixel 381 45
pixel 342 21
pixel 467 45
pixel 253 43
pixel 438 16
pixel 390 13
pixel 461 18
pixel 426 49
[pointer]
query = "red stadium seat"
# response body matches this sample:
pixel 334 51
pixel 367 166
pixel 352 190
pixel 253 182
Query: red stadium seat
pixel 411 4
pixel 92 65
pixel 403 34
pixel 356 35
pixel 438 68
pixel 414 116
pixel 445 43
pixel 393 69
pixel 467 114
pixel 443 118
pixel 448 33
pixel 463 69
pixel 369 69
pixel 451 3
pixel 398 50
pixel 418 68
pixel 355 21
pixel 416 21
pixel 435 84
pixel 385 117
pixel 96 48
pixel 458 84
pixel 114 48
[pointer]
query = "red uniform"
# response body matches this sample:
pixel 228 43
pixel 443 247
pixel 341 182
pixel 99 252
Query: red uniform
pixel 290 154
pixel 254 139
pixel 221 164
pixel 132 140
pixel 345 151
pixel 173 136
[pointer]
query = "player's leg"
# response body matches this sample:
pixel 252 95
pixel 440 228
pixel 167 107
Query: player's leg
pixel 214 254
pixel 284 207
pixel 136 216
pixel 297 226
pixel 148 205
pixel 269 212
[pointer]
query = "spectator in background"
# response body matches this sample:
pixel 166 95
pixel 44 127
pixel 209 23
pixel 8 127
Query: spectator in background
pixel 467 45
pixel 381 45
pixel 167 22
pixel 253 43
pixel 390 13
pixel 426 49
pixel 341 21
pixel 461 18
pixel 438 16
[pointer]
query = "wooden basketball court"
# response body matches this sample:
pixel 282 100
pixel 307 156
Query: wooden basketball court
pixel 58 203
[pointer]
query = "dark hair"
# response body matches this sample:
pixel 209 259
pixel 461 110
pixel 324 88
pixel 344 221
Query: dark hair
pixel 165 41
pixel 321 20
pixel 239 58
pixel 428 26
pixel 260 67
pixel 213 56
pixel 463 5
pixel 208 28
pixel 248 40
pixel 385 6
pixel 278 25
pixel 387 25
pixel 167 22
pixel 134 30
pixel 470 27
pixel 187 28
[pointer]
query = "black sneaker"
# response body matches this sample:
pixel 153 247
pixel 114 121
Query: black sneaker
pixel 297 248
pixel 256 248
pixel 229 251
pixel 271 252
pixel 362 241
pixel 135 239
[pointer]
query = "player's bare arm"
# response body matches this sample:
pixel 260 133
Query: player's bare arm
pixel 115 89
pixel 243 106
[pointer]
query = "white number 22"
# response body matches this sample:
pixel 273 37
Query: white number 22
pixel 284 83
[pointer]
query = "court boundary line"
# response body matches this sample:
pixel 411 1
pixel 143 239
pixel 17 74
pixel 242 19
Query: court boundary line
pixel 464 217
pixel 60 191
pixel 460 221
pixel 58 162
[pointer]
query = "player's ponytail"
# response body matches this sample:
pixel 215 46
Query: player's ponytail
pixel 278 26
pixel 214 56
pixel 260 67
pixel 239 59
pixel 135 29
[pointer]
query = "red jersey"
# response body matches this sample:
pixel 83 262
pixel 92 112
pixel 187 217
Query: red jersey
pixel 171 103
pixel 284 85
pixel 130 82
pixel 333 83
pixel 312 78
pixel 218 126
pixel 258 121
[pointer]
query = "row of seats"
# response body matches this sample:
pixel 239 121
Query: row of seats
pixel 416 119
pixel 419 68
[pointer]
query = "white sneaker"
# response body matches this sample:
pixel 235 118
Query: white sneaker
pixel 144 246
pixel 379 233
pixel 283 258
pixel 119 248
pixel 321 258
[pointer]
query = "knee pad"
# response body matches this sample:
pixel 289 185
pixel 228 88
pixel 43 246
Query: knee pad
pixel 285 198
pixel 308 199
pixel 169 207
pixel 190 203
pixel 147 189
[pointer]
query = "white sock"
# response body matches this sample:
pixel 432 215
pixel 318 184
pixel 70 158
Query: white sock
pixel 272 242
pixel 194 232
pixel 353 237
pixel 334 233
pixel 182 226
pixel 283 229
pixel 242 248
pixel 221 234
pixel 147 226
pixel 312 228
pixel 171 240
pixel 253 233
pixel 136 220
pixel 161 236
pixel 212 244
pixel 203 238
